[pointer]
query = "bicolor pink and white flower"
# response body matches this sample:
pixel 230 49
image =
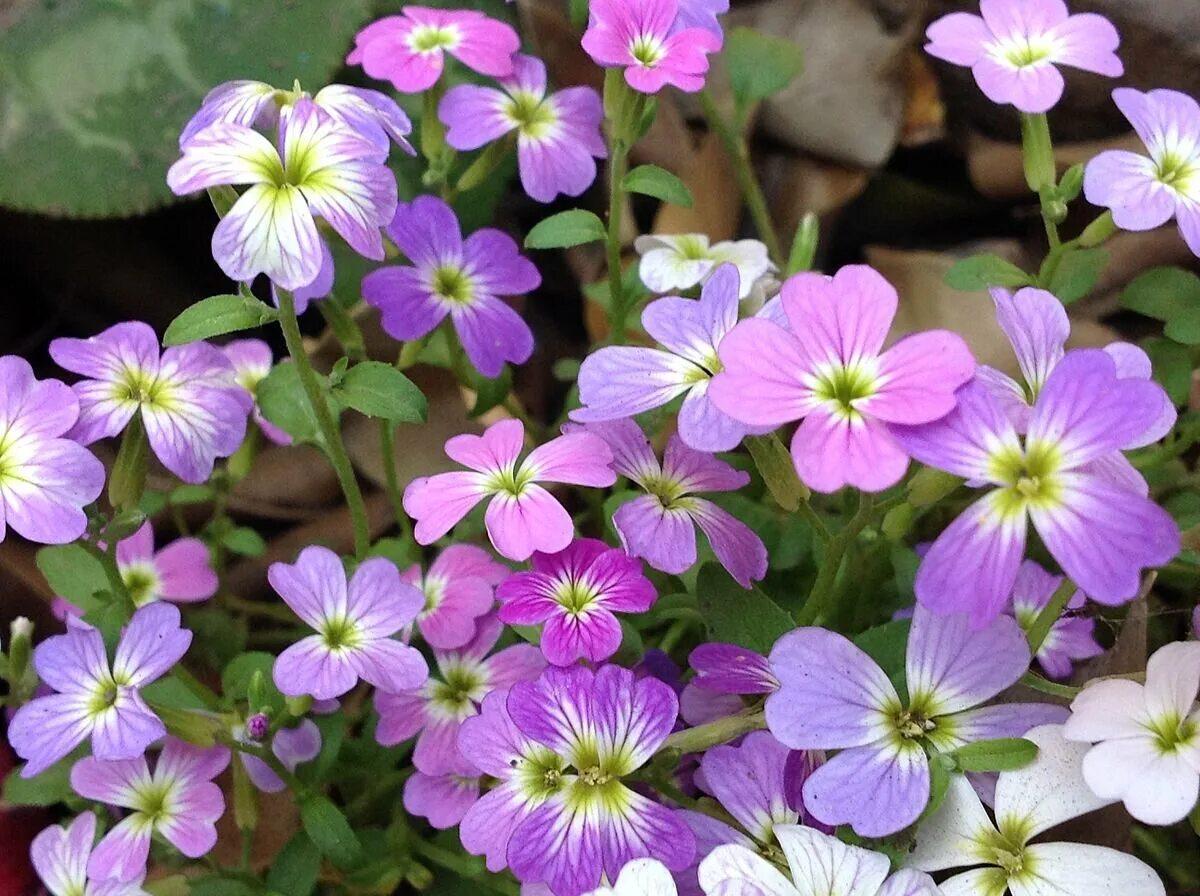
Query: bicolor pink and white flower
pixel 1146 736
pixel 558 135
pixel 60 858
pixel 435 712
pixel 1101 531
pixel 46 478
pixel 1028 802
pixel 642 37
pixel 456 278
pixel 1145 192
pixel 671 263
pixel 191 407
pixel 181 572
pixel 621 381
pixel 459 588
pixel 322 169
pixel 829 369
pixel 1073 635
pixel 1014 48
pixel 178 801
pixel 574 595
pixel 93 698
pixel 252 360
pixel 833 696
pixel 443 800
pixel 409 49
pixel 355 622
pixel 522 517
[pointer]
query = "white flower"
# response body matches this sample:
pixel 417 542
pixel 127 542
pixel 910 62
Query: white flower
pixel 1147 737
pixel 641 877
pixel 820 865
pixel 680 262
pixel 1028 801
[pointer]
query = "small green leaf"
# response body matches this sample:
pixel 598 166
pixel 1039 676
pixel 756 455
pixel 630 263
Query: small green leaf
pixel 886 644
pixel 183 495
pixel 570 228
pixel 236 679
pixel 294 871
pixel 50 787
pixel 222 886
pixel 1185 328
pixel 759 65
pixel 329 831
pixel 283 401
pixel 1172 365
pixel 73 574
pixel 778 470
pixel 650 180
pixel 1071 184
pixel 380 390
pixel 736 615
pixel 981 271
pixel 1000 755
pixel 216 316
pixel 245 541
pixel 1077 273
pixel 1163 293
pixel 939 785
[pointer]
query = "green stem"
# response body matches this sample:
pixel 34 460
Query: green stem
pixel 822 592
pixel 1038 154
pixel 721 731
pixel 1045 620
pixel 335 449
pixel 267 756
pixel 387 444
pixel 128 478
pixel 108 560
pixel 1030 680
pixel 617 310
pixel 464 867
pixel 275 611
pixel 677 630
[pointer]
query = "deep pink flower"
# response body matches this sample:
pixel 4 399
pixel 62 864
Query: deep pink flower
pixel 459 587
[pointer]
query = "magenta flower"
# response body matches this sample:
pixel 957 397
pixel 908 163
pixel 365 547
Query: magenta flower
pixel 606 724
pixel 409 49
pixel 291 746
pixel 437 710
pixel 829 369
pixel 1102 532
pixel 621 381
pixel 463 279
pixel 641 36
pixel 323 169
pixel 660 526
pixel 178 801
pixel 1071 638
pixel 180 572
pixel 575 594
pixel 832 696
pixel 45 480
pixel 459 587
pixel 1012 50
pixel 1144 192
pixel 442 800
pixel 252 361
pixel 730 669
pixel 190 405
pixel 93 698
pixel 522 517
pixel 354 621
pixel 558 136
pixel 60 857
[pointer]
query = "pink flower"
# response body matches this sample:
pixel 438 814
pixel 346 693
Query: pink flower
pixel 180 572
pixel 641 37
pixel 409 49
pixel 459 587
pixel 522 517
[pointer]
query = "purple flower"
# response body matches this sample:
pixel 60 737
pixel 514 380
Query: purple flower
pixel 641 36
pixel 409 49
pixel 443 799
pixel 702 14
pixel 354 621
pixel 558 136
pixel 323 169
pixel 522 517
pixel 93 698
pixel 575 593
pixel 459 588
pixel 1014 47
pixel 620 381
pixel 60 857
pixel 291 746
pixel 178 801
pixel 190 405
pixel 606 724
pixel 1072 637
pixel 730 669
pixel 252 361
pixel 45 479
pixel 1142 192
pixel 180 572
pixel 829 368
pixel 460 278
pixel 1101 532
pixel 660 526
pixel 832 696
pixel 437 710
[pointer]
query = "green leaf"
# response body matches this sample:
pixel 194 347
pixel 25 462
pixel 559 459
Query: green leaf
pixel 173 693
pixel 1000 755
pixel 50 787
pixel 650 180
pixel 778 470
pixel 1172 365
pixel 380 390
pixel 216 316
pixel 329 831
pixel 1077 273
pixel 886 645
pixel 939 784
pixel 73 574
pixel 1185 328
pixel 570 228
pixel 1163 293
pixel 245 541
pixel 294 871
pixel 184 495
pixel 235 680
pixel 736 615
pixel 759 65
pixel 489 393
pixel 282 399
pixel 222 886
pixel 981 271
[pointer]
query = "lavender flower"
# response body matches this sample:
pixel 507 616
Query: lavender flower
pixel 443 800
pixel 93 698
pixel 60 857
pixel 450 276
pixel 45 480
pixel 730 669
pixel 252 361
pixel 1071 638
pixel 459 587
pixel 641 37
pixel 291 746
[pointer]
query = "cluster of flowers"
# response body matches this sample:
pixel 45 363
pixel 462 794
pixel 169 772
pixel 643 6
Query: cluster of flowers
pixel 577 773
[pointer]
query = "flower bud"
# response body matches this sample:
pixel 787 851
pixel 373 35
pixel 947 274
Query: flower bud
pixel 20 649
pixel 258 726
